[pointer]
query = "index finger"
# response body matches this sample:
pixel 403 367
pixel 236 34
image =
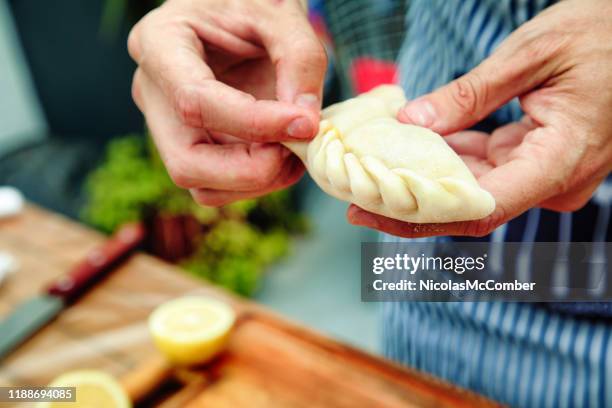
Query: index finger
pixel 172 55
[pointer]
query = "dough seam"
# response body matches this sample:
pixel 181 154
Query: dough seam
pixel 437 187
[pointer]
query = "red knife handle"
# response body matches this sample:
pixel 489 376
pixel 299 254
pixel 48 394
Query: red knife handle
pixel 97 262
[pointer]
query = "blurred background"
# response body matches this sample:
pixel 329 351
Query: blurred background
pixel 72 140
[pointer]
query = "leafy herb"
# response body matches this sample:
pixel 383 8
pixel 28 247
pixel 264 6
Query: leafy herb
pixel 237 241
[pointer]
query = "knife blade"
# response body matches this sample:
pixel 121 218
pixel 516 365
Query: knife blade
pixel 26 319
pixel 30 316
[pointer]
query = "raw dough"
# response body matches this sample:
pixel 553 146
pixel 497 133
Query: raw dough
pixel 363 155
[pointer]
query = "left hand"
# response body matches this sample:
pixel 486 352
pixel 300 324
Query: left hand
pixel 220 82
pixel 558 64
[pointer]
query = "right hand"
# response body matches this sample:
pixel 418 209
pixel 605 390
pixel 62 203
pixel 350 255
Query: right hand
pixel 558 65
pixel 220 80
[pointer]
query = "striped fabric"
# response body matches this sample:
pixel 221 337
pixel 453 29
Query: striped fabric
pixel 515 353
pixel 524 355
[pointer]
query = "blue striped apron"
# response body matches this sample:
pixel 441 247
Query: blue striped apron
pixel 524 355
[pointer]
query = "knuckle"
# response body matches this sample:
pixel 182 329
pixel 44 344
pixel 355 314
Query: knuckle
pixel 571 204
pixel 262 174
pixel 260 177
pixel 534 50
pixel 188 107
pixel 560 184
pixel 484 227
pixel 480 229
pixel 179 173
pixel 256 127
pixel 469 93
pixel 315 54
pixel 540 47
pixel 577 204
pixel 140 32
pixel 314 57
pixel 136 91
pixel 133 42
pixel 306 55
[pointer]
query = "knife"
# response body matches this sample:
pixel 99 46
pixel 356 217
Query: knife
pixel 33 314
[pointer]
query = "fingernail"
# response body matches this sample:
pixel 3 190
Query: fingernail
pixel 308 100
pixel 420 112
pixel 300 128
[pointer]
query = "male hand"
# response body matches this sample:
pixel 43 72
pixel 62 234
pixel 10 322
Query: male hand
pixel 559 65
pixel 218 81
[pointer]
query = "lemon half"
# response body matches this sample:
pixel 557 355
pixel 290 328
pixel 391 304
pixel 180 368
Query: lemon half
pixel 94 389
pixel 191 330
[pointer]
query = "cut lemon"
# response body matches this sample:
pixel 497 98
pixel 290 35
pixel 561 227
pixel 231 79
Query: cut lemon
pixel 191 330
pixel 94 389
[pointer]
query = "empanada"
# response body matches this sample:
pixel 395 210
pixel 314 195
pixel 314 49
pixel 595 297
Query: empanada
pixel 364 155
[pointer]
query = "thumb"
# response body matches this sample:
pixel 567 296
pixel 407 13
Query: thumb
pixel 513 70
pixel 298 55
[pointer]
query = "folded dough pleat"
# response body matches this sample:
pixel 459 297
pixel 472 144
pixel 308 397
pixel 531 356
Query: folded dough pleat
pixel 319 157
pixel 429 194
pixel 362 185
pixel 395 194
pixel 467 192
pixel 335 167
pixel 363 155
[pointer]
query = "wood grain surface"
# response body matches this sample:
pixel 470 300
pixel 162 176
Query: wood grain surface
pixel 270 362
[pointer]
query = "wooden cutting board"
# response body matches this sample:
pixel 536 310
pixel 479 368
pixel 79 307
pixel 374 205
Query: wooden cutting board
pixel 270 362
